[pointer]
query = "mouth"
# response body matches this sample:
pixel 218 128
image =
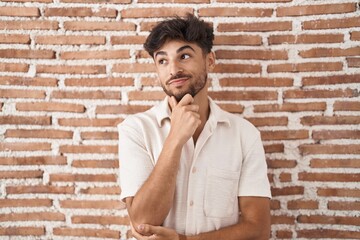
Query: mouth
pixel 178 81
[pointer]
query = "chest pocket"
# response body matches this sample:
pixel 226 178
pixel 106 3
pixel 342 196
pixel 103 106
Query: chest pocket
pixel 221 192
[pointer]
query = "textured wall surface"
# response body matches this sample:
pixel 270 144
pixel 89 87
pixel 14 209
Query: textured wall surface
pixel 71 70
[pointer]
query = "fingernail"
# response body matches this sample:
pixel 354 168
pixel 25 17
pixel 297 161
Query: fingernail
pixel 141 227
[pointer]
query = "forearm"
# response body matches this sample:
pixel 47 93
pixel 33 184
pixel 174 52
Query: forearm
pixel 152 202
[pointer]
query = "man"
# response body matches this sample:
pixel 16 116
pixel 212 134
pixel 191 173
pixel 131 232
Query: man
pixel 187 168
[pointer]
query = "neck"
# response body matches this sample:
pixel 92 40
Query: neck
pixel 202 100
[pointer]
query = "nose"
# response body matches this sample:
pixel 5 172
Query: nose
pixel 175 68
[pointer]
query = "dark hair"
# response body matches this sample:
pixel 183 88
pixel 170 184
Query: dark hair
pixel 189 29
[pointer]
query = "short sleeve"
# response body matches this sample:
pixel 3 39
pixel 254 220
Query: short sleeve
pixel 253 179
pixel 135 163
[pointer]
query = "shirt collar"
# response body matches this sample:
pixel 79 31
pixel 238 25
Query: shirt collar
pixel 217 115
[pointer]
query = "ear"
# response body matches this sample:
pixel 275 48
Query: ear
pixel 210 60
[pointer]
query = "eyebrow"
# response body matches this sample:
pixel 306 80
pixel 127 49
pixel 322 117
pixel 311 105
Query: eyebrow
pixel 177 51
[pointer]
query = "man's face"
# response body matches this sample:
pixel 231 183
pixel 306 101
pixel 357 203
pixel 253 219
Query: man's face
pixel 182 68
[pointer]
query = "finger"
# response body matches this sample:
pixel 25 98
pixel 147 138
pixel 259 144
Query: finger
pixel 149 229
pixel 186 100
pixel 192 108
pixel 172 101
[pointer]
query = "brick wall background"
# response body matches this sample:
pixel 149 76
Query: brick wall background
pixel 71 70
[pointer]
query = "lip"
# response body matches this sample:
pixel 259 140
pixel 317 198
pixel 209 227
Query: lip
pixel 178 82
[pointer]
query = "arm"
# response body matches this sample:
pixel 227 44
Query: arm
pixel 254 223
pixel 151 204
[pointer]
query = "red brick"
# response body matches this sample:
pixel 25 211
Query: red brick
pixel 73 69
pixel 279 163
pixel 22 231
pixel 284 135
pixel 121 109
pixel 101 190
pixel 28 81
pixel 302 204
pixel 244 95
pixel 306 39
pixel 127 40
pixel 355 36
pixel 141 54
pixel 327 233
pixel 291 107
pixel 335 163
pixel 233 108
pixel 285 177
pixel 338 192
pixel 99 26
pixel 147 26
pixel 95 163
pixel 173 1
pixel 254 1
pixel 99 82
pixel 332 23
pixel 42 1
pixel 32 216
pixel 75 55
pixel 19 11
pixel 328 177
pixel 149 81
pixel 102 220
pixel 305 67
pixel 344 205
pixel 67 177
pixel 286 191
pixel 38 133
pixel 95 1
pixel 321 219
pixel 234 12
pixel 251 40
pixel 134 68
pixel 99 135
pixel 284 234
pixel 95 204
pixel 353 62
pixel 50 107
pixel 46 189
pixel 15 38
pixel 148 95
pixel 329 149
pixel 20 174
pixel 21 120
pixel 155 12
pixel 323 120
pixel 282 220
pixel 14 67
pixel 69 40
pixel 86 95
pixel 329 52
pixel 86 232
pixel 274 148
pixel 41 160
pixel 79 12
pixel 346 106
pixel 237 68
pixel 29 25
pixel 335 134
pixel 268 121
pixel 255 27
pixel 24 146
pixel 252 54
pixel 346 93
pixel 90 122
pixel 315 9
pixel 331 80
pixel 25 203
pixel 256 82
pixel 88 149
pixel 17 93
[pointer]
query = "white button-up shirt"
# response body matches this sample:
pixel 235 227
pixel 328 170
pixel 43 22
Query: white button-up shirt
pixel 227 161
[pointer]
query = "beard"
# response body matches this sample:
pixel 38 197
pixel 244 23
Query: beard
pixel 195 87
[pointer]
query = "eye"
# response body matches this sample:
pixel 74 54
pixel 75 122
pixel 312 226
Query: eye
pixel 162 61
pixel 185 56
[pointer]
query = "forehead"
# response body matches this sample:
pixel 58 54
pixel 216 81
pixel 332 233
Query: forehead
pixel 172 46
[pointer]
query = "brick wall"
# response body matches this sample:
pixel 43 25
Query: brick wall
pixel 71 70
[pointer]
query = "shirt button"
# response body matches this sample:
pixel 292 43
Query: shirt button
pixel 191 203
pixel 194 170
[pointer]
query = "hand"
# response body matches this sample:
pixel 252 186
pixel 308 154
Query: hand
pixel 185 118
pixel 149 232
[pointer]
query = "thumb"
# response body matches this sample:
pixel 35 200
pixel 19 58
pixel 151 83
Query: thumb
pixel 149 229
pixel 172 102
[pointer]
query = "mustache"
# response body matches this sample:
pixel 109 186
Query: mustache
pixel 177 76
